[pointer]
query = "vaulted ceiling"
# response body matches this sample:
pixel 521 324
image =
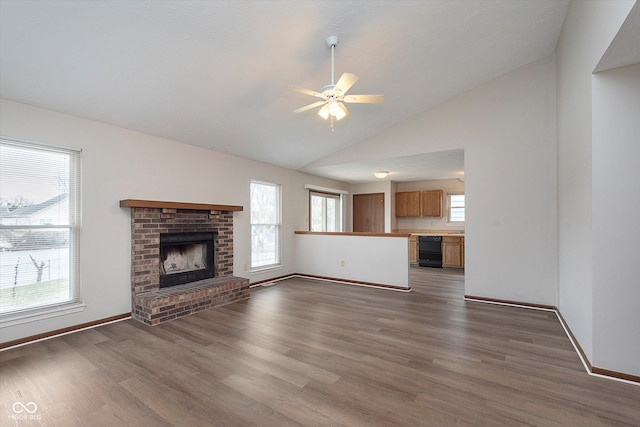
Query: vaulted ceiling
pixel 215 73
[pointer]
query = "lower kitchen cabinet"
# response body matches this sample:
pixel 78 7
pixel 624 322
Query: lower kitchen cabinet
pixel 413 249
pixel 453 251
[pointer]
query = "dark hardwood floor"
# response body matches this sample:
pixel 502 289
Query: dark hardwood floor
pixel 311 353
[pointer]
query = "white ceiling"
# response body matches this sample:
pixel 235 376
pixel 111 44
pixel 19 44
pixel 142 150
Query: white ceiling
pixel 625 48
pixel 215 73
pixel 439 165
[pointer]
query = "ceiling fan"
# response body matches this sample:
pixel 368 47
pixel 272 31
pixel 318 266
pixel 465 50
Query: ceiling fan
pixel 334 95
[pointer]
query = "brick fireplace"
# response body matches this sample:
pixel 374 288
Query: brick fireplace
pixel 153 221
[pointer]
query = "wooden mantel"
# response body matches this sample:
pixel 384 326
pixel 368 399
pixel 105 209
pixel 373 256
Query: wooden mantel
pixel 131 203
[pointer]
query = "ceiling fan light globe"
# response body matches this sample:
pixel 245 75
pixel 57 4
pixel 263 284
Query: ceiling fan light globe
pixel 324 112
pixel 343 111
pixel 334 108
pixel 340 114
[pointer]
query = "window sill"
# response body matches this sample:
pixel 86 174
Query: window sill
pixel 8 320
pixel 265 269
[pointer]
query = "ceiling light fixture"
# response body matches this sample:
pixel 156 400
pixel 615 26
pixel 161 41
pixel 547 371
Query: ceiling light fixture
pixel 336 109
pixel 381 174
pixel 333 109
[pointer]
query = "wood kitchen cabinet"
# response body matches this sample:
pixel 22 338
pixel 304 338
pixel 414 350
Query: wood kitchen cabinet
pixel 453 251
pixel 408 204
pixel 419 204
pixel 413 249
pixel 431 203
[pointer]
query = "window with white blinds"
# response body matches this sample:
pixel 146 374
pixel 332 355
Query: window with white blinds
pixel 456 205
pixel 324 212
pixel 39 227
pixel 265 225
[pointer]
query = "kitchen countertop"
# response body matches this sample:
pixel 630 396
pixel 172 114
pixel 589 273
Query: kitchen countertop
pixel 454 233
pixel 439 234
pixel 348 233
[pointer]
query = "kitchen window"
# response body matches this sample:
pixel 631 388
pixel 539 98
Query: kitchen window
pixel 39 228
pixel 325 212
pixel 456 207
pixel 265 225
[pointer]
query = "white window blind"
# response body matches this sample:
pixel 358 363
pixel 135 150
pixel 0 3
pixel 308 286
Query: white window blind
pixel 456 207
pixel 39 227
pixel 265 224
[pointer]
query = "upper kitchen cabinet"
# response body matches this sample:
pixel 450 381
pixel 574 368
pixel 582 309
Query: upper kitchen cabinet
pixel 431 203
pixel 408 204
pixel 419 204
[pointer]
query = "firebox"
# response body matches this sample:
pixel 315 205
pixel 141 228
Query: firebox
pixel 186 257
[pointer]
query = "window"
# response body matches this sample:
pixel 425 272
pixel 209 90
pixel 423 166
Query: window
pixel 265 224
pixel 455 202
pixel 324 212
pixel 39 227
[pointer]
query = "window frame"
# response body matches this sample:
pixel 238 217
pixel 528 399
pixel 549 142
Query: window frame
pixel 449 207
pixel 338 216
pixel 44 310
pixel 277 225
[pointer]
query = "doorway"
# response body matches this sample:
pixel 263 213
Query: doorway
pixel 368 213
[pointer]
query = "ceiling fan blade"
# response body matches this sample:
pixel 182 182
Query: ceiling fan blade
pixel 364 99
pixel 346 81
pixel 306 91
pixel 309 107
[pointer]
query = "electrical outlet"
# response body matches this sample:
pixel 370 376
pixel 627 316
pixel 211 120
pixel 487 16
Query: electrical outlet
pixel 342 263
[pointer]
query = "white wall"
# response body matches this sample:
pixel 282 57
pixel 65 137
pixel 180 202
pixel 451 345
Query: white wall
pixel 371 259
pixel 587 32
pixel 616 204
pixel 121 164
pixel 447 186
pixel 507 129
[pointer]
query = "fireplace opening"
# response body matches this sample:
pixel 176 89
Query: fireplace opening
pixel 186 257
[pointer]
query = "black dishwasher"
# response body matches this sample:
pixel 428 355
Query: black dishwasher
pixel 430 251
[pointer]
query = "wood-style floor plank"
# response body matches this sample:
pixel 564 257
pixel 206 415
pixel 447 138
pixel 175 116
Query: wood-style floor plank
pixel 307 353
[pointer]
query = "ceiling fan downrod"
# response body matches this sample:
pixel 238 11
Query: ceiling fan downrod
pixel 332 41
